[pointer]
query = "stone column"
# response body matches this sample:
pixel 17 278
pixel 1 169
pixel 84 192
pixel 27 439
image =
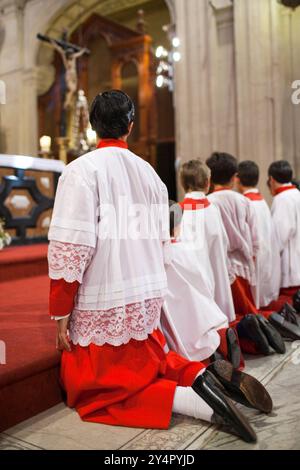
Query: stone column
pixel 205 79
pixel 258 82
pixel 290 69
pixel 29 139
pixel 11 63
pixel 192 95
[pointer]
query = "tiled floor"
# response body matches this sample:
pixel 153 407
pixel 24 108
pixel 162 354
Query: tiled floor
pixel 61 428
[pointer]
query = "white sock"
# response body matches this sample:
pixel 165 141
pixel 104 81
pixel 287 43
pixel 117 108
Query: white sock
pixel 187 402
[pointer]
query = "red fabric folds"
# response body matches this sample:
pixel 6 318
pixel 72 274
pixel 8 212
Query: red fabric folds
pixel 129 385
pixel 283 189
pixel 242 298
pixel 254 196
pixel 194 204
pixel 112 143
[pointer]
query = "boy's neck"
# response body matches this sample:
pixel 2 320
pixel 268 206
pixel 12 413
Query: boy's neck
pixel 191 191
pixel 219 187
pixel 248 189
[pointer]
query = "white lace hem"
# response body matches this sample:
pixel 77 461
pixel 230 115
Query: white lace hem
pixel 116 326
pixel 242 271
pixel 68 261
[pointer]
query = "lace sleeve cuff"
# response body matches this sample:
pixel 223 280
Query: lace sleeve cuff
pixel 68 261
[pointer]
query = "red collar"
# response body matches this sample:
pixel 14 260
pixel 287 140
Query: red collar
pixel 284 188
pixel 254 196
pixel 189 204
pixel 222 189
pixel 112 143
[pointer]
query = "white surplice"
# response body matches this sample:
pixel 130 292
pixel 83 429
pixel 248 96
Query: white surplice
pixel 210 233
pixel 240 224
pixel 268 270
pixel 190 316
pixel 109 200
pixel 286 218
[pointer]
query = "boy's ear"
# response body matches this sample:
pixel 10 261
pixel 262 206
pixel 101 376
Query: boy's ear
pixel 207 185
pixel 130 128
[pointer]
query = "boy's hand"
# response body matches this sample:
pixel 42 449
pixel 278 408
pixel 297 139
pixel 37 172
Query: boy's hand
pixel 62 340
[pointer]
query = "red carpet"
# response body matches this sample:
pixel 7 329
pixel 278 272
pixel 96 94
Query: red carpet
pixel 23 261
pixel 29 379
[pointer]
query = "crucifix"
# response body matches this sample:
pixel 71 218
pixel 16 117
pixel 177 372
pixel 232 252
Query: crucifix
pixel 69 53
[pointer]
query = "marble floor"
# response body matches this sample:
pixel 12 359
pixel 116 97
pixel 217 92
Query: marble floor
pixel 61 428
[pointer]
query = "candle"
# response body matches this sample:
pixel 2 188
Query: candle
pixel 45 143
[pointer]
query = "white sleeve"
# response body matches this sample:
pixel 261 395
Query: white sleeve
pixel 165 226
pixel 75 216
pixel 284 222
pixel 253 223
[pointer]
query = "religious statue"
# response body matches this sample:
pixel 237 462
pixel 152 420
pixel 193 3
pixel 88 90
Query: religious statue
pixel 80 124
pixel 69 58
pixel 69 53
pixel 70 97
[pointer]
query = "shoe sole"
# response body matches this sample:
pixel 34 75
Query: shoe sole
pixel 239 420
pixel 273 336
pixel 257 336
pixel 254 394
pixel 234 350
pixel 233 418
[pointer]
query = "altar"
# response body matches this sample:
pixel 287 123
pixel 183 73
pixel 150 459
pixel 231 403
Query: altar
pixel 27 191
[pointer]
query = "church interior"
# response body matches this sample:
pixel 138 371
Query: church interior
pixel 205 76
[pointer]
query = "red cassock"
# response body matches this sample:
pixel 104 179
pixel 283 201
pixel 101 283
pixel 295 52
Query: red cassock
pixel 242 298
pixel 128 385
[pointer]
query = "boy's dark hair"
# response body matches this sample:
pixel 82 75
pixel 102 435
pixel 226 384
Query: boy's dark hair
pixel 194 175
pixel 281 171
pixel 248 173
pixel 111 114
pixel 175 212
pixel 223 167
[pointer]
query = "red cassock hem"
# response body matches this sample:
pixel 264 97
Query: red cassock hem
pixel 242 298
pixel 286 296
pixel 129 385
pixel 289 291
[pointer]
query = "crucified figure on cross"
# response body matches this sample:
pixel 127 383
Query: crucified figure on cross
pixel 69 58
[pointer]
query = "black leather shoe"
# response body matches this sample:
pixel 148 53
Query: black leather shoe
pixel 234 350
pixel 225 412
pixel 274 338
pixel 296 301
pixel 216 356
pixel 290 314
pixel 286 329
pixel 249 327
pixel 241 387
